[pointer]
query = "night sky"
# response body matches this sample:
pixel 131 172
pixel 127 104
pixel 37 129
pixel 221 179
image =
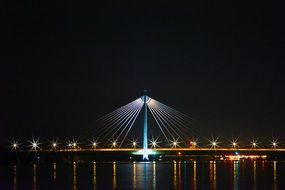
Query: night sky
pixel 65 64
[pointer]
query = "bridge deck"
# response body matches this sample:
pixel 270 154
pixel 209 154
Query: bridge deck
pixel 169 150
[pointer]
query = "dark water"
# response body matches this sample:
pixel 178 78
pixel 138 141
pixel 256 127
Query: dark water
pixel 148 175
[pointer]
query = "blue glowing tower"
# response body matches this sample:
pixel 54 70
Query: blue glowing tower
pixel 145 142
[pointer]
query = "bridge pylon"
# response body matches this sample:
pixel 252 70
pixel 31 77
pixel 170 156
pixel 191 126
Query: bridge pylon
pixel 145 99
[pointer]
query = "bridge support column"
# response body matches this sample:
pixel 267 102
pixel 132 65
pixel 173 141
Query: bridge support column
pixel 145 141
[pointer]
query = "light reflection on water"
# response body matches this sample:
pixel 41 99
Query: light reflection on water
pixel 174 175
pixel 74 177
pixel 94 176
pixel 274 175
pixel 54 171
pixel 14 177
pixel 213 175
pixel 194 176
pixel 149 175
pixel 114 176
pixel 34 177
pixel 236 174
pixel 179 175
pixel 254 175
pixel 154 176
pixel 134 175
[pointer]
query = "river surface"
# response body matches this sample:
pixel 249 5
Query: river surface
pixel 144 175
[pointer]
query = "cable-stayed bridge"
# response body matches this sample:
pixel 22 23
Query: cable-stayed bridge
pixel 172 126
pixel 146 127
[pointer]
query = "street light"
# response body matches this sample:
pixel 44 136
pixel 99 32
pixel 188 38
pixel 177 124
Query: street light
pixel 34 144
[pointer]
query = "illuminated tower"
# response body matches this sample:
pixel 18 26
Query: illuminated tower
pixel 145 142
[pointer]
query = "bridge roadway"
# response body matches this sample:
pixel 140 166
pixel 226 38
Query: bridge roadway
pixel 135 154
pixel 186 152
